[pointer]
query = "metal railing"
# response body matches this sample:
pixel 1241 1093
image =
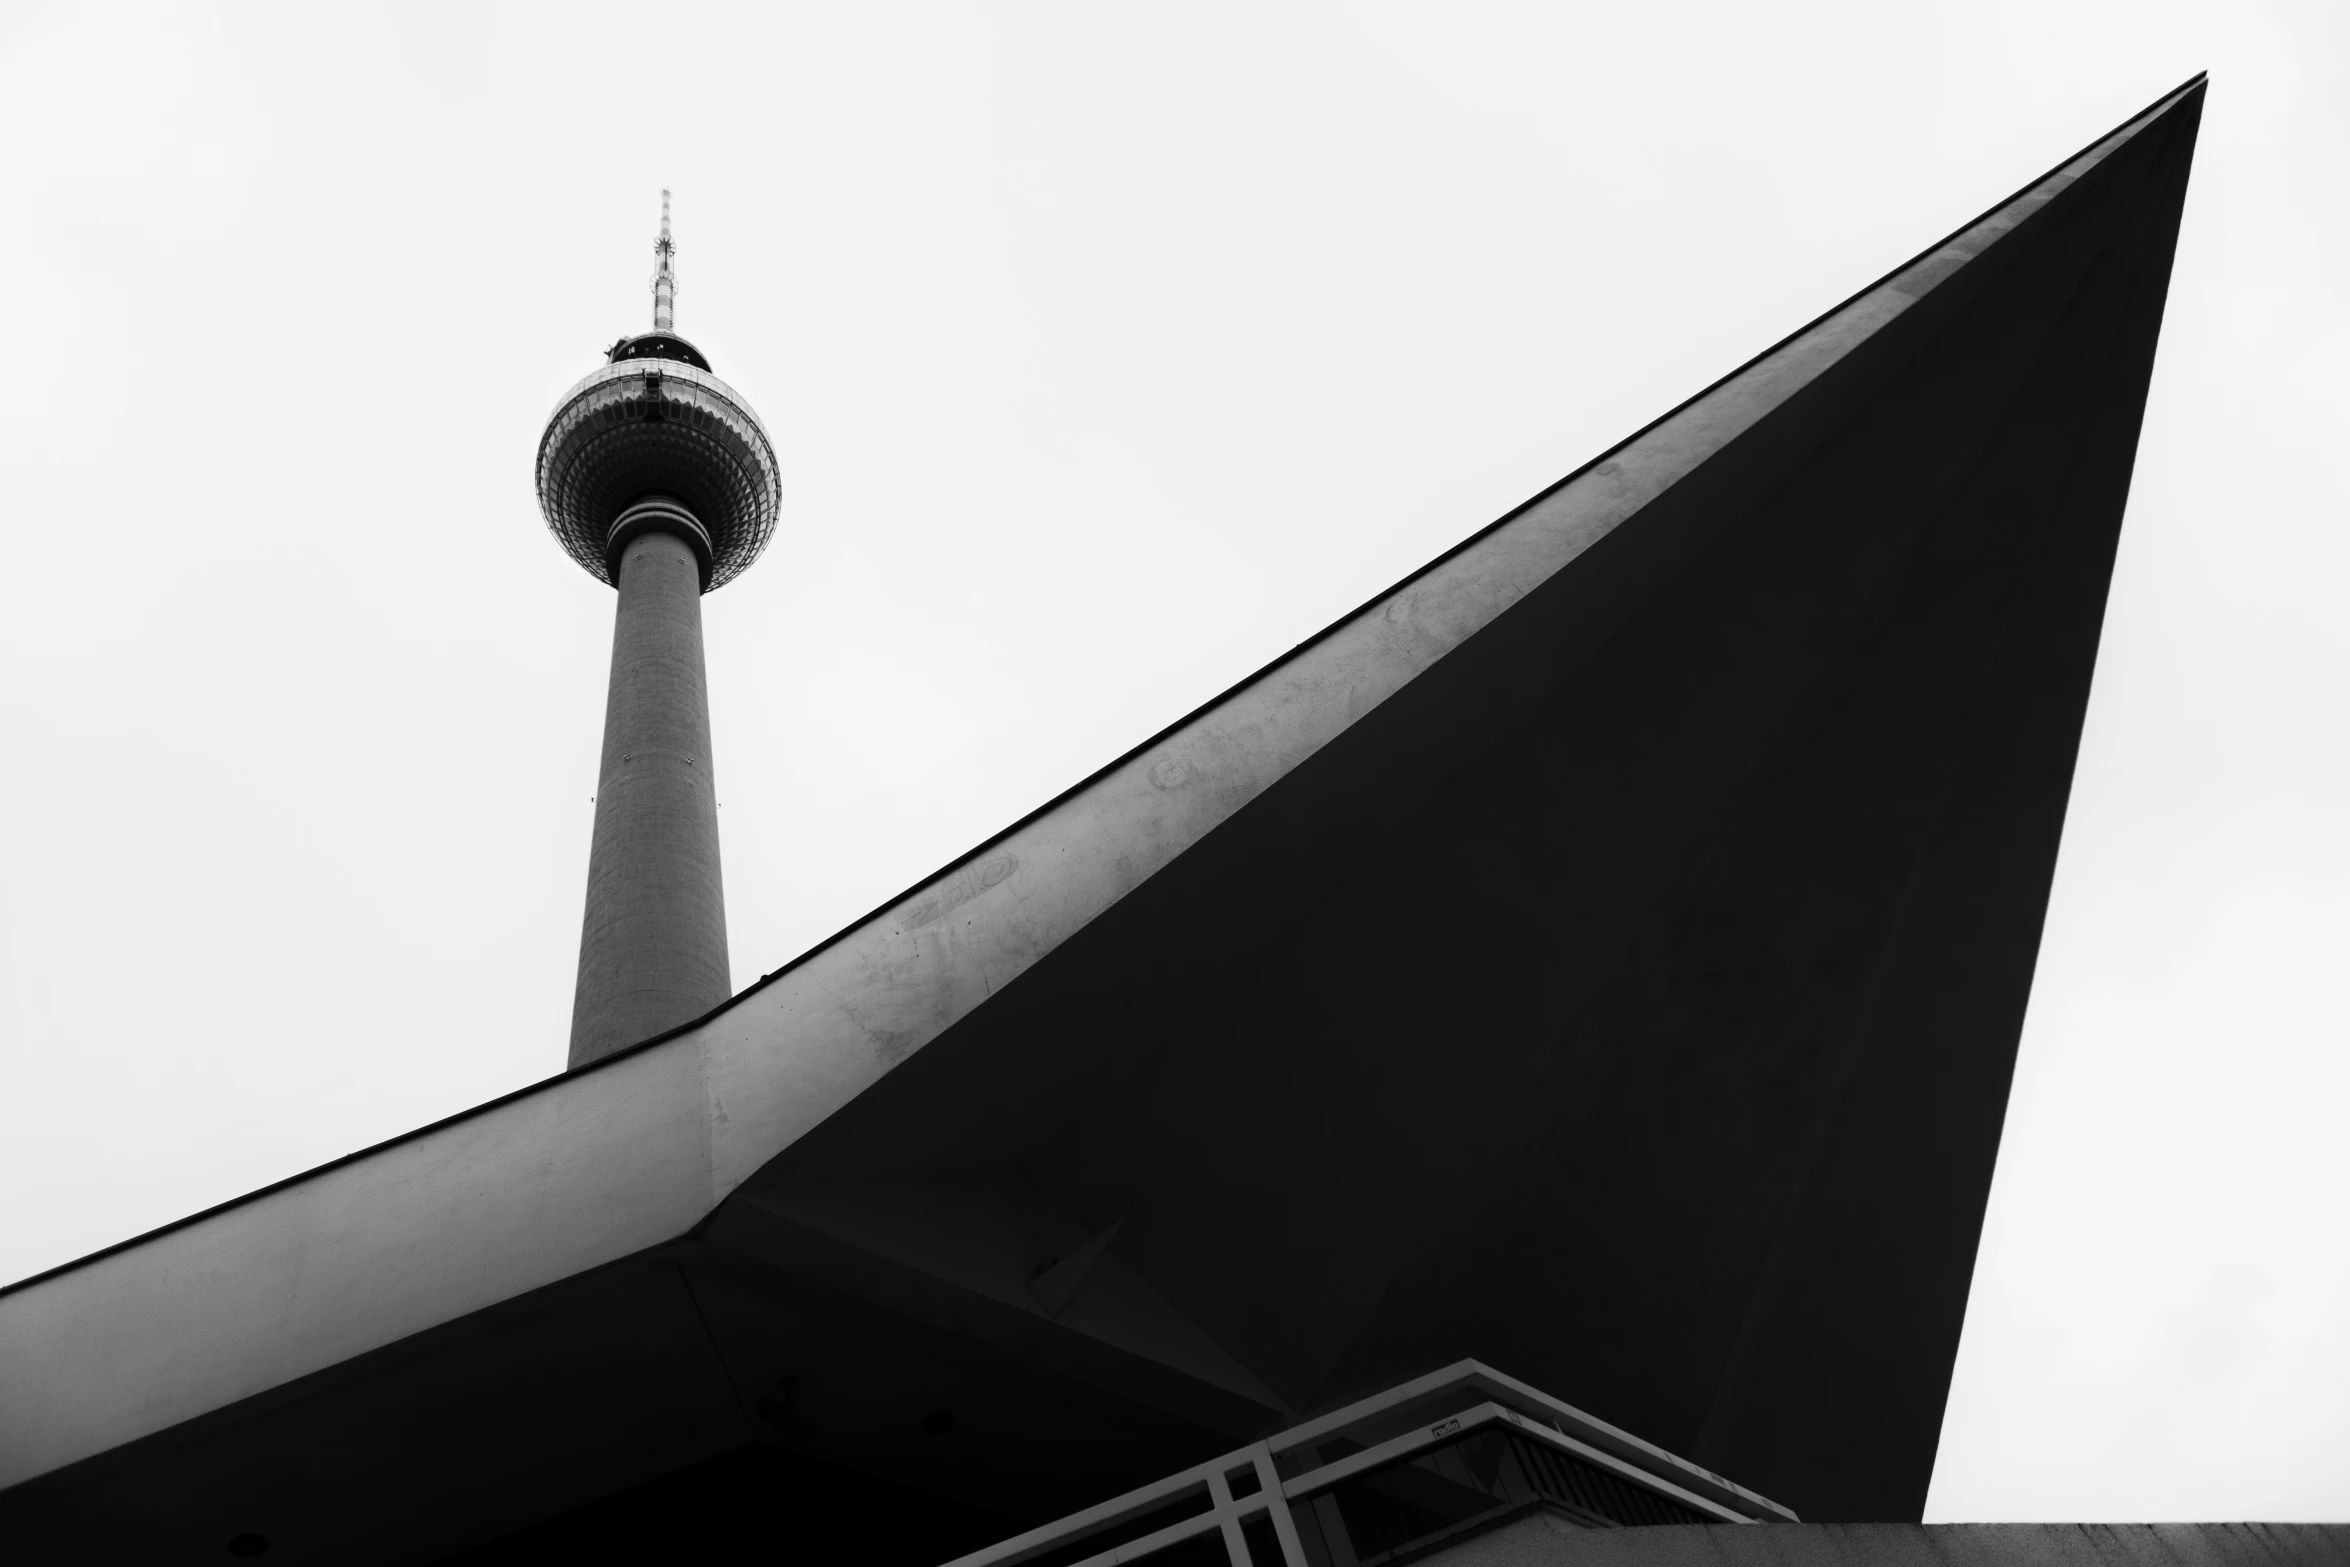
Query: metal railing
pixel 1495 1446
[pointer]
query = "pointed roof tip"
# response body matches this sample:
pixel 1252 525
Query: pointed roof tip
pixel 2187 92
pixel 2162 105
pixel 2190 90
pixel 2167 102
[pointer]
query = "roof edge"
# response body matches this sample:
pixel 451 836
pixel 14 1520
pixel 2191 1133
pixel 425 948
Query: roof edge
pixel 2153 111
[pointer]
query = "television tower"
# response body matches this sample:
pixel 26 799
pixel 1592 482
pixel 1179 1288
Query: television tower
pixel 658 479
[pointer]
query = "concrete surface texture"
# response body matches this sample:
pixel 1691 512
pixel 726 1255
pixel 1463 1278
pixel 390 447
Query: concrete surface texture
pixel 1540 1541
pixel 652 951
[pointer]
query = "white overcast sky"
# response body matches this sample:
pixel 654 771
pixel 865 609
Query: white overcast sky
pixel 1111 350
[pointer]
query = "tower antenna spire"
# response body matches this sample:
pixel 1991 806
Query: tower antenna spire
pixel 664 274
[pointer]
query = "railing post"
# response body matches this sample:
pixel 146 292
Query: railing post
pixel 1293 1551
pixel 1220 1498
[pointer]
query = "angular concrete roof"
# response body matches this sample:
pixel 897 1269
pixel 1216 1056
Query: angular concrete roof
pixel 1602 955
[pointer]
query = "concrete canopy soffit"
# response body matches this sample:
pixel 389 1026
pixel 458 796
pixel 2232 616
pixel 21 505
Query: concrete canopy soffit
pixel 1628 994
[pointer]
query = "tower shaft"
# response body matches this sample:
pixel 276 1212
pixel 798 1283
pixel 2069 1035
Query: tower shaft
pixel 652 952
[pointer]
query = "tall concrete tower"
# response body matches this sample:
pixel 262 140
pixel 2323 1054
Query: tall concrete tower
pixel 659 480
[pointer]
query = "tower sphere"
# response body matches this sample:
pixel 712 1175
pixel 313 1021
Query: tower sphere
pixel 655 424
pixel 653 439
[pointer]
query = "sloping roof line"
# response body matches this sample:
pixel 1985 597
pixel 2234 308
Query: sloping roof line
pixel 2130 125
pixel 635 1150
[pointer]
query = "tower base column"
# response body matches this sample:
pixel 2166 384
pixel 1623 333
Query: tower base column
pixel 652 951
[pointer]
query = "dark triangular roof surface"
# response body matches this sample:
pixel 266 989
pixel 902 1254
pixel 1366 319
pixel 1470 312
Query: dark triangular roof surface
pixel 1602 956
